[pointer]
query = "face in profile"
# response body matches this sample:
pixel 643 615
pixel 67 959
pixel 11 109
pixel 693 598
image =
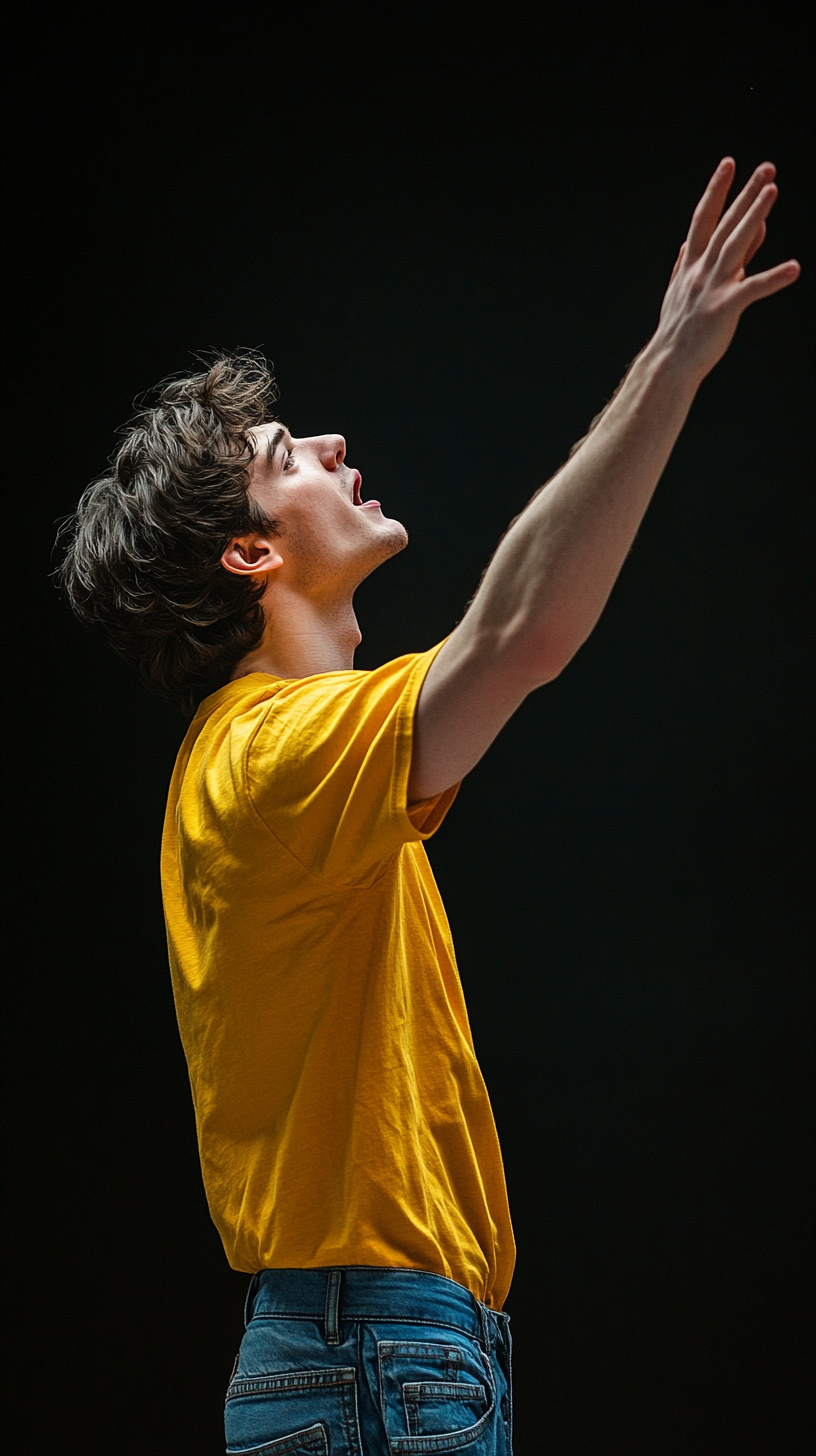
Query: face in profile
pixel 327 536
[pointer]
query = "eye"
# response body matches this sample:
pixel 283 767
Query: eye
pixel 289 461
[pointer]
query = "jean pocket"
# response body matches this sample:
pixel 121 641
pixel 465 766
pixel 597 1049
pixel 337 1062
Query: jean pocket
pixel 311 1442
pixel 434 1397
pixel 293 1413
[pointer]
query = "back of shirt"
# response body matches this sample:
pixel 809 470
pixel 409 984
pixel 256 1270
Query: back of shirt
pixel 341 1114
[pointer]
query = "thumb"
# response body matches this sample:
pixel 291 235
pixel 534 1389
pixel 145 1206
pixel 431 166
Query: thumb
pixel 676 268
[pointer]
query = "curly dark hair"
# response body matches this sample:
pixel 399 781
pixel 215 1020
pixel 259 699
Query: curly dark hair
pixel 143 562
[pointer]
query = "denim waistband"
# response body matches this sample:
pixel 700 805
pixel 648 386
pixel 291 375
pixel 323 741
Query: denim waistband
pixel 361 1292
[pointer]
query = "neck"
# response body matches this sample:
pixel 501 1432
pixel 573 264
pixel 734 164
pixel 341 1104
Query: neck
pixel 303 636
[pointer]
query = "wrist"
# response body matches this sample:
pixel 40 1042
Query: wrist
pixel 662 366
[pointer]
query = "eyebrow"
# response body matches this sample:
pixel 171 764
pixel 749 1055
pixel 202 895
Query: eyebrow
pixel 273 443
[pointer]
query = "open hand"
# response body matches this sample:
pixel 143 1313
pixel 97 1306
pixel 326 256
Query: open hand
pixel 708 289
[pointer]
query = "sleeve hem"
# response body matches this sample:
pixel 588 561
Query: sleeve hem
pixel 424 817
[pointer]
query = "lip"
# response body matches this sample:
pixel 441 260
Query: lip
pixel 356 483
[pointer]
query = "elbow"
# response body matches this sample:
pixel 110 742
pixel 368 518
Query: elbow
pixel 522 653
pixel 547 668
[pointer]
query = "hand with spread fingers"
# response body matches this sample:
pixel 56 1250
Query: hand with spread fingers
pixel 709 289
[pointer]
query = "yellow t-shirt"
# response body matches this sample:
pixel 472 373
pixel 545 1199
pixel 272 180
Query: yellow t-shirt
pixel 341 1114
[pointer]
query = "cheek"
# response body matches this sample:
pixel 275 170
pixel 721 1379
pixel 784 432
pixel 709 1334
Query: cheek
pixel 320 527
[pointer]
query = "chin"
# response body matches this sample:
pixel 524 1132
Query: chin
pixel 396 536
pixel 392 538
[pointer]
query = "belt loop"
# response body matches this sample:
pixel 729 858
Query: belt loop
pixel 249 1303
pixel 488 1322
pixel 333 1306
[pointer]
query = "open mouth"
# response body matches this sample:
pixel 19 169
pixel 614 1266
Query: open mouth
pixel 357 493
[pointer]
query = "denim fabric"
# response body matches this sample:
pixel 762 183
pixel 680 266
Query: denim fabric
pixel 369 1362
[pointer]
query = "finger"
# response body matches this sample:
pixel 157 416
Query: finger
pixel 762 285
pixel 734 254
pixel 756 243
pixel 761 177
pixel 709 208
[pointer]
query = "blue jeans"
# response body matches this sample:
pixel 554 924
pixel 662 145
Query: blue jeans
pixel 369 1362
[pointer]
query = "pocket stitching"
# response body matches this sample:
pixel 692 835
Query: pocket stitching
pixel 280 1443
pixel 291 1380
pixel 405 1445
pixel 445 1390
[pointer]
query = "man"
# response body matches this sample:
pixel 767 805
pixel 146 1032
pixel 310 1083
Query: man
pixel 348 1149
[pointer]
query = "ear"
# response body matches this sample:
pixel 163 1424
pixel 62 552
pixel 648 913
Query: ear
pixel 251 556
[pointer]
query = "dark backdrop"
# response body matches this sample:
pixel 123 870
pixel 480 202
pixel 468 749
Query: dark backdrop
pixel 451 237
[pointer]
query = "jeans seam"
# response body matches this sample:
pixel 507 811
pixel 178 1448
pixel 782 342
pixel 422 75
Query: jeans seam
pixel 361 1317
pixel 351 1419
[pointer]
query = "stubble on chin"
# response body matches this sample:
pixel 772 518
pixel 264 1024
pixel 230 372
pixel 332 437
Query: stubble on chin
pixel 387 544
pixel 397 539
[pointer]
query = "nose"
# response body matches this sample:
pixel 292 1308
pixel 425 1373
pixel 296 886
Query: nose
pixel 332 451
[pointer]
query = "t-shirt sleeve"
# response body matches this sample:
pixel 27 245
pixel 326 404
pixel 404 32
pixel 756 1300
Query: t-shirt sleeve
pixel 327 769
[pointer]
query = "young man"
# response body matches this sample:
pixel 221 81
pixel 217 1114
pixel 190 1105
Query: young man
pixel 348 1149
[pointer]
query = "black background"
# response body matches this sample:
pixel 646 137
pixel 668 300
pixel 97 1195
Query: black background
pixel 451 234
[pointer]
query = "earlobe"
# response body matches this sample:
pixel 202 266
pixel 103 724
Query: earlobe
pixel 251 556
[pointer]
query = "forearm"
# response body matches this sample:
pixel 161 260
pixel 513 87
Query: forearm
pixel 552 573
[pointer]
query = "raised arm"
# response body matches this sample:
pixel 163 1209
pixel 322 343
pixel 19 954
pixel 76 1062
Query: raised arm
pixel 553 571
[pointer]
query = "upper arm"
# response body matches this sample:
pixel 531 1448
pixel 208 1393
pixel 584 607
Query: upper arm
pixel 472 687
